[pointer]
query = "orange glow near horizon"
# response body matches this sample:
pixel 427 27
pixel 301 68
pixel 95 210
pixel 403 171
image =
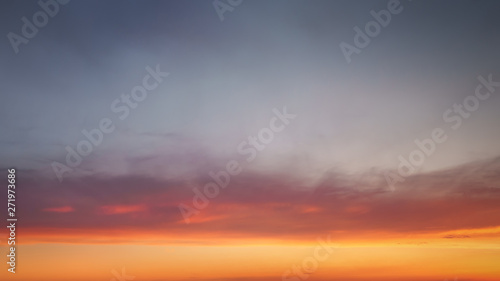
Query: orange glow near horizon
pixel 260 233
pixel 152 257
pixel 47 262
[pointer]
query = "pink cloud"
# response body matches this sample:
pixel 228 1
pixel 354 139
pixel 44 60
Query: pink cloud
pixel 65 209
pixel 122 209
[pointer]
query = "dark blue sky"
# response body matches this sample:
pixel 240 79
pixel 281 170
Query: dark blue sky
pixel 227 76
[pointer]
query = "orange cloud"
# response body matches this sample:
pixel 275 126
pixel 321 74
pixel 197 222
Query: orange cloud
pixel 122 209
pixel 65 209
pixel 261 207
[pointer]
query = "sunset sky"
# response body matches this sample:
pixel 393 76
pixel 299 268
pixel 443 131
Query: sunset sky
pixel 333 178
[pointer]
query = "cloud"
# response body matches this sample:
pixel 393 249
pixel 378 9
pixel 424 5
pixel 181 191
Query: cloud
pixel 259 206
pixel 122 209
pixel 456 236
pixel 65 209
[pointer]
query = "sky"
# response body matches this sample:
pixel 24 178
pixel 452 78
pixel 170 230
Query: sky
pixel 255 134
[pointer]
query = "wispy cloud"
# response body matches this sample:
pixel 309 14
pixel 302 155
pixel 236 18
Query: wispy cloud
pixel 270 206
